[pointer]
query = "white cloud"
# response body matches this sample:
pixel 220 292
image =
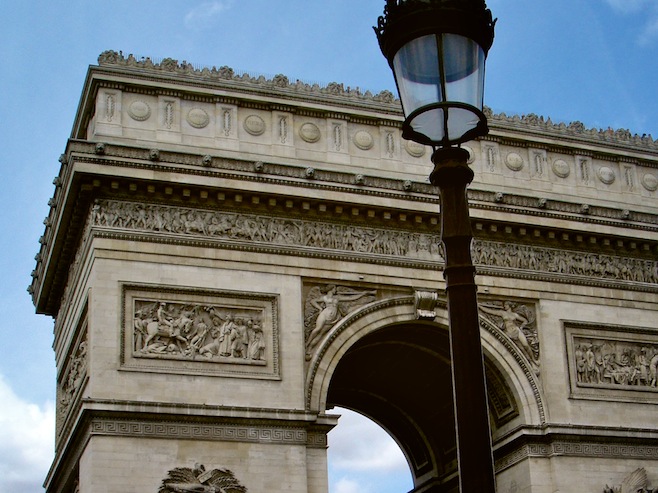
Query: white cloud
pixel 648 9
pixel 203 15
pixel 650 31
pixel 345 485
pixel 27 435
pixel 358 444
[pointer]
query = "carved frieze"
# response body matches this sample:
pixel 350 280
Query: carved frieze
pixel 200 331
pixel 365 240
pixel 564 262
pixel 189 331
pixel 199 479
pixel 620 360
pixel 271 230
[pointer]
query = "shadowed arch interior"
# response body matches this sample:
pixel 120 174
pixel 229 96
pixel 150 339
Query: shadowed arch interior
pixel 399 376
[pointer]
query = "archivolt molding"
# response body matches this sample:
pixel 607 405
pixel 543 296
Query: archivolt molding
pixel 378 314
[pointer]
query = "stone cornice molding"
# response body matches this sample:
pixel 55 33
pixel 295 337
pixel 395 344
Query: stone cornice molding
pixel 552 440
pixel 384 101
pixel 214 423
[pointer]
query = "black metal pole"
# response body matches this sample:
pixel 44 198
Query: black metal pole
pixel 476 471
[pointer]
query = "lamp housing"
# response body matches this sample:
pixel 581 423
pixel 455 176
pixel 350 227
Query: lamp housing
pixel 437 51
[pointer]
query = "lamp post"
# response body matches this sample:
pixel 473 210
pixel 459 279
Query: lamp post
pixel 437 50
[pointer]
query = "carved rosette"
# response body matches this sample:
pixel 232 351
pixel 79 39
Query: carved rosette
pixel 363 140
pixel 606 175
pixel 650 182
pixel 139 110
pixel 254 125
pixel 414 149
pixel 561 168
pixel 309 132
pixel 198 118
pixel 514 161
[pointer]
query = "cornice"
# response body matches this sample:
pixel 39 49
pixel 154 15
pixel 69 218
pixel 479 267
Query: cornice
pixel 65 219
pixel 335 93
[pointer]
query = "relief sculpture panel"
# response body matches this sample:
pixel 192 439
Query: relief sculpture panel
pixel 199 331
pixel 517 322
pixel 620 360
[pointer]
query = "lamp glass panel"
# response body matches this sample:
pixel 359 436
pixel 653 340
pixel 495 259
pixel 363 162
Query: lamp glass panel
pixel 416 67
pixel 464 70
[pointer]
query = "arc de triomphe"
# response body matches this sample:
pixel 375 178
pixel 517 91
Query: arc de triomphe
pixel 228 257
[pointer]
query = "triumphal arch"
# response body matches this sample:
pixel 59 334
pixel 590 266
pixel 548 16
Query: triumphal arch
pixel 228 257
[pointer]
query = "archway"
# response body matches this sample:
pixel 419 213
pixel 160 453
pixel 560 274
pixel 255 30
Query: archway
pixel 394 369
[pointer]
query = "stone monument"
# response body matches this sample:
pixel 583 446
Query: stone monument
pixel 228 257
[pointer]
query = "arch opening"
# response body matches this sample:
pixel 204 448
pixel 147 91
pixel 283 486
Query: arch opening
pixel 399 377
pixel 363 457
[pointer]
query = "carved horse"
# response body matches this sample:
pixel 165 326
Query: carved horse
pixel 155 329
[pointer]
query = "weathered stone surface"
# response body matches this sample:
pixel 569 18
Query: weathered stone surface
pixel 227 257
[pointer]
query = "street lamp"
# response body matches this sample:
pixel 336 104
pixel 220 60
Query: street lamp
pixel 437 50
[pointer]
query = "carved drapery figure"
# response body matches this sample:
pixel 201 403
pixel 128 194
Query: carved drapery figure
pixel 326 305
pixel 187 331
pixel 198 480
pixel 518 323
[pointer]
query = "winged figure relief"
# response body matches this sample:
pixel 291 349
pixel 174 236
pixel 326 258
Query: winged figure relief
pixel 198 480
pixel 326 305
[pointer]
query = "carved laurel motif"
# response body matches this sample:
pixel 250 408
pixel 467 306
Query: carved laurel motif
pixel 185 479
pixel 194 331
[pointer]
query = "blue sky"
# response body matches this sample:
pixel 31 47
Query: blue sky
pixel 592 61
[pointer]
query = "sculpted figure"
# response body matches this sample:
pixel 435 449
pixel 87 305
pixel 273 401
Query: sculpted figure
pixel 513 324
pixel 328 305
